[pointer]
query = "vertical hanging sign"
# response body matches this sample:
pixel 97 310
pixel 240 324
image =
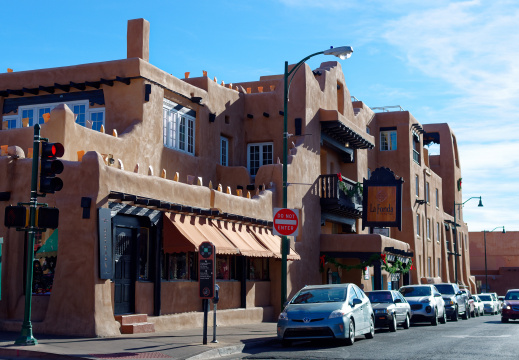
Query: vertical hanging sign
pixel 105 244
pixel 206 271
pixel 382 200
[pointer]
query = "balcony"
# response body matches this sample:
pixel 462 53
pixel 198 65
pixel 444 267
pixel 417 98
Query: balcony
pixel 337 202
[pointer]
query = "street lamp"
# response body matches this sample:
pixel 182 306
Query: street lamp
pixel 456 254
pixel 485 240
pixel 342 52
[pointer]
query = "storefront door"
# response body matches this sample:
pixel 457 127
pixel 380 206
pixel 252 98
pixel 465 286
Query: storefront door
pixel 125 241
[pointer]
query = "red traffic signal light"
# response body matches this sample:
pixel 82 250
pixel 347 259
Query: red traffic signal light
pixel 47 217
pixel 50 166
pixel 16 216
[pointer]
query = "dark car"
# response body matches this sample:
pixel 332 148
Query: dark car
pixel 510 310
pixel 456 302
pixel 390 309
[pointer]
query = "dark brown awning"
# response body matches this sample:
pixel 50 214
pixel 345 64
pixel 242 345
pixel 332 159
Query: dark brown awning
pixel 332 126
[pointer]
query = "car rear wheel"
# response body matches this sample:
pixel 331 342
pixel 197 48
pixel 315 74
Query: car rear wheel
pixel 434 320
pixel 443 319
pixel 392 325
pixel 504 320
pixel 371 333
pixel 407 323
pixel 465 315
pixel 351 333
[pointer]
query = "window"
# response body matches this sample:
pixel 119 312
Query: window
pixel 418 224
pixel 427 192
pixel 180 266
pixel 438 235
pixel 44 264
pixel 437 199
pixel 417 185
pixel 439 270
pixel 144 254
pixel 369 173
pixel 225 267
pixel 259 154
pixel 466 243
pixel 428 229
pixel 179 127
pixel 224 151
pixel 429 266
pixel 416 148
pixel 388 140
pixel 258 269
pixel 30 115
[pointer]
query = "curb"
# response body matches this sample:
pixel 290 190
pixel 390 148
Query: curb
pixel 230 350
pixel 8 354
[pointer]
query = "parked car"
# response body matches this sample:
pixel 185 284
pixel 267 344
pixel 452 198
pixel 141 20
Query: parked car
pixel 478 304
pixel 426 303
pixel 510 309
pixel 470 301
pixel 501 300
pixel 390 308
pixel 496 300
pixel 489 305
pixel 456 302
pixel 338 311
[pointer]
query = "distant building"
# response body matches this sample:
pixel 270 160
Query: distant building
pixel 502 260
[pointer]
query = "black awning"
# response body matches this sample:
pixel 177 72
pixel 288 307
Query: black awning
pixel 342 133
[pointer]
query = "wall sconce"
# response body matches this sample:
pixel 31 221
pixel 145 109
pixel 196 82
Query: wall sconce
pixel 85 204
pixel 266 114
pixel 250 116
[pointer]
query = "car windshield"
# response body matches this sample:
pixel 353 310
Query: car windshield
pixel 380 297
pixel 485 297
pixel 512 295
pixel 445 289
pixel 416 291
pixel 311 296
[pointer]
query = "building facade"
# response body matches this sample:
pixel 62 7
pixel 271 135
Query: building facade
pixel 155 165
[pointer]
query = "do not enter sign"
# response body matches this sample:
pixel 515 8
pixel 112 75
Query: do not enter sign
pixel 286 222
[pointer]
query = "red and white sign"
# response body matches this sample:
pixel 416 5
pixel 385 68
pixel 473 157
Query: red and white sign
pixel 286 222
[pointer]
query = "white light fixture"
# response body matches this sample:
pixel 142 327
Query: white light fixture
pixel 342 52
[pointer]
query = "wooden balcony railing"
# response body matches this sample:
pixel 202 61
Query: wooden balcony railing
pixel 343 202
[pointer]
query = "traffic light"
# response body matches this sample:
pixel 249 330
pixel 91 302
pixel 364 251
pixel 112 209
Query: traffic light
pixel 50 166
pixel 47 217
pixel 16 216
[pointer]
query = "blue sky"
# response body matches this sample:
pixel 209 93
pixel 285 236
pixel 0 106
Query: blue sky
pixel 444 61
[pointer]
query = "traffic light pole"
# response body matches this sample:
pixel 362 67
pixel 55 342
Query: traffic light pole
pixel 26 337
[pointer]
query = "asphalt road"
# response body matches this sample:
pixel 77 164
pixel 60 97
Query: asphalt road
pixel 476 338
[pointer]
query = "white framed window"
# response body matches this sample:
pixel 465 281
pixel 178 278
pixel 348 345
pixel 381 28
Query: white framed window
pixel 429 266
pixel 224 151
pixel 259 154
pixel 427 192
pixel 33 114
pixel 179 127
pixel 418 224
pixel 428 229
pixel 417 185
pixel 388 140
pixel 439 270
pixel 438 235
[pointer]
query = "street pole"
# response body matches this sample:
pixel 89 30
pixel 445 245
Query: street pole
pixel 26 337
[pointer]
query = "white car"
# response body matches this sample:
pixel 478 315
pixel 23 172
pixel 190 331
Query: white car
pixel 489 305
pixel 478 306
pixel 426 303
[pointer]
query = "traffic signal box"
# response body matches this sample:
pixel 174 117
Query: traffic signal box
pixel 16 216
pixel 50 166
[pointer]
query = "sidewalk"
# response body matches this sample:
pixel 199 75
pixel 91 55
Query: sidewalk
pixel 183 344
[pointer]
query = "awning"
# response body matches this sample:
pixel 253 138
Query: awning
pixel 244 241
pixel 184 233
pixel 358 243
pixel 272 242
pixel 50 248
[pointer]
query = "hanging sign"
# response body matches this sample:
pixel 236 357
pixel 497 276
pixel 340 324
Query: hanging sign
pixel 382 200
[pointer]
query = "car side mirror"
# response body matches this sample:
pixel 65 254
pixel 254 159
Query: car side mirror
pixel 397 301
pixel 459 293
pixel 437 295
pixel 356 302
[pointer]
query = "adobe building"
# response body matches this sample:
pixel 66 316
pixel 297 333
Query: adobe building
pixel 502 257
pixel 155 165
pixel 432 185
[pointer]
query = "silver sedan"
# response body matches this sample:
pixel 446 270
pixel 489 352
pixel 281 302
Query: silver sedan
pixel 339 311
